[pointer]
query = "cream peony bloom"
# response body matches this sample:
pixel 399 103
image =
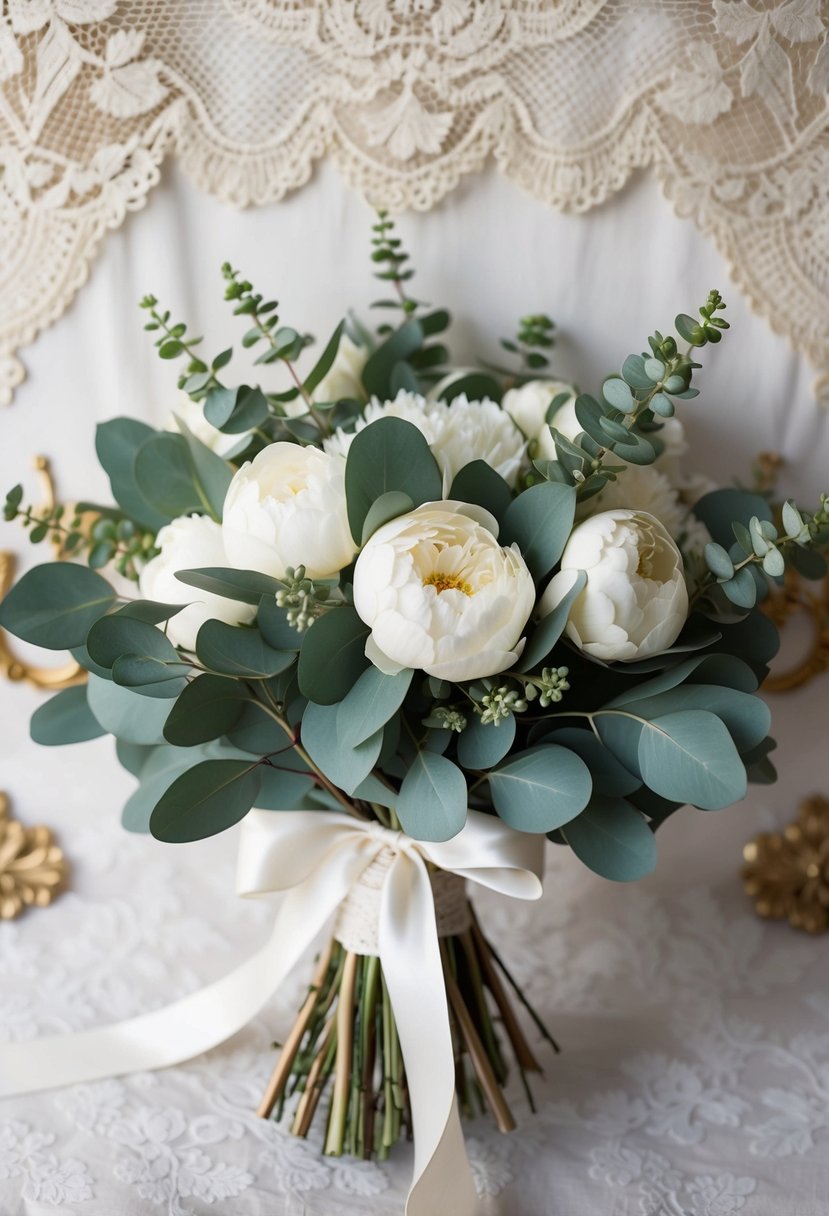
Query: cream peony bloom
pixel 190 543
pixel 635 602
pixel 344 376
pixel 191 414
pixel 647 488
pixel 441 595
pixel 528 405
pixel 287 508
pixel 457 433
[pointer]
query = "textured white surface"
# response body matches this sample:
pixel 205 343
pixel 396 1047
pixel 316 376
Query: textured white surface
pixel 694 1079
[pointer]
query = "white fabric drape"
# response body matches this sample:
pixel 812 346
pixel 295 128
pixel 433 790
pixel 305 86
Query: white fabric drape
pixel 725 99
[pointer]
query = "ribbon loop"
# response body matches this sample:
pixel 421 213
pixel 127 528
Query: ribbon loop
pixel 317 857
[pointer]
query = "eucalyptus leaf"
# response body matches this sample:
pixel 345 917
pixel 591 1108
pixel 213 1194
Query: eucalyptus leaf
pixel 205 800
pixel 55 605
pixel 745 716
pixel 246 586
pixel 116 443
pixel 149 676
pixel 116 635
pixel 208 708
pixel 370 703
pixel 551 627
pixel 432 804
pixel 482 747
pixel 272 622
pixel 65 718
pixel 164 475
pixel 346 767
pixel 126 714
pixel 240 651
pixel 540 520
pixel 690 757
pixel 478 483
pixel 541 789
pixel 332 656
pixel 612 838
pixel 610 777
pixel 383 509
pixel 390 454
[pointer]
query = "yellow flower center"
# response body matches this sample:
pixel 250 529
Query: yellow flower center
pixel 447 582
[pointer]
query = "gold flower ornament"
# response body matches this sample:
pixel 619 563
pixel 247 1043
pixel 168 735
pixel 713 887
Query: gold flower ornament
pixel 787 873
pixel 32 867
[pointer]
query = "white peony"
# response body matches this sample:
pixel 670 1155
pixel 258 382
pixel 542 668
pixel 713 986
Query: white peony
pixel 635 602
pixel 647 488
pixel 191 414
pixel 528 405
pixel 441 595
pixel 344 376
pixel 457 433
pixel 287 508
pixel 190 542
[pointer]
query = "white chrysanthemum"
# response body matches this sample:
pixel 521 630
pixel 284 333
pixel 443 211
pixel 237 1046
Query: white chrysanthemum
pixel 457 433
pixel 528 406
pixel 635 602
pixel 287 508
pixel 441 595
pixel 191 414
pixel 190 543
pixel 646 488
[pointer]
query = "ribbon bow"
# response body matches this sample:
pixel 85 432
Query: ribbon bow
pixel 317 857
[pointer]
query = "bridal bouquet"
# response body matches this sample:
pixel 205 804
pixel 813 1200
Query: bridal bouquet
pixel 409 623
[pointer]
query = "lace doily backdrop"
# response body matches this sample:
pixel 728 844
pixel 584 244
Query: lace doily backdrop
pixel 725 99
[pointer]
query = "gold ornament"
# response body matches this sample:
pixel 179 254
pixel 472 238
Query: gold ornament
pixel 13 668
pixel 787 873
pixel 32 867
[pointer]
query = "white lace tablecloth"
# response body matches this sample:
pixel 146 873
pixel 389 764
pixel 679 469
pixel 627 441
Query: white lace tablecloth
pixel 694 1077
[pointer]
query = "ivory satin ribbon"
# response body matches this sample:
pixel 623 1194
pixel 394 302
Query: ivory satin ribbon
pixel 316 857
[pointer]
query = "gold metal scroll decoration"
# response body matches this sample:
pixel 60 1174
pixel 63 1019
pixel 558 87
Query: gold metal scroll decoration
pixel 787 873
pixel 797 597
pixel 32 867
pixel 12 667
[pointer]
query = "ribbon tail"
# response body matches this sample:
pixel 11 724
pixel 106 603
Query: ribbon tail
pixel 195 1023
pixel 442 1184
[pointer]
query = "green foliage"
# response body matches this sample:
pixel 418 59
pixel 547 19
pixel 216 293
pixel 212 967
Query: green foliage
pixel 612 838
pixel 479 484
pixel 370 703
pixel 482 746
pixel 206 799
pixel 541 789
pixel 207 708
pixel 433 798
pixel 689 756
pixel 116 444
pixel 551 627
pixel 247 586
pixel 125 713
pixel 332 656
pixel 65 718
pixel 389 455
pixel 239 652
pixel 56 604
pixel 345 766
pixel 540 520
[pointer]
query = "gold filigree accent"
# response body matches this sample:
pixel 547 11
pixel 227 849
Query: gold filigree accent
pixel 12 667
pixel 32 867
pixel 787 873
